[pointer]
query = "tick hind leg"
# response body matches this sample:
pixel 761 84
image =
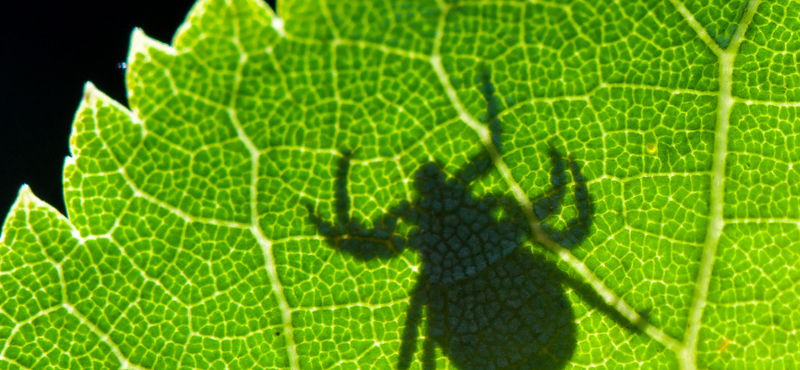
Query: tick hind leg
pixel 578 227
pixel 411 329
pixel 428 352
pixel 558 179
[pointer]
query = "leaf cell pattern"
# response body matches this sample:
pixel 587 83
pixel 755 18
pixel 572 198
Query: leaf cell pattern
pixel 189 244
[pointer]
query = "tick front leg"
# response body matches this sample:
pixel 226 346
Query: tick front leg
pixel 342 194
pixel 348 235
pixel 339 227
pixel 481 164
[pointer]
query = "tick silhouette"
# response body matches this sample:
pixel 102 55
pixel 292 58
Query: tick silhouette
pixel 490 304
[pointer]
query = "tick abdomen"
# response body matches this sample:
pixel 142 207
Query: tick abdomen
pixel 513 315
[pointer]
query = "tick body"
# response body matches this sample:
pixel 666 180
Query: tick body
pixel 458 236
pixel 489 303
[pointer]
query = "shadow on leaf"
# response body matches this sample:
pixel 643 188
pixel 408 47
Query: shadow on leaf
pixel 487 303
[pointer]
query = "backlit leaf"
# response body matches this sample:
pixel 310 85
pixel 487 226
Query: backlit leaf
pixel 268 200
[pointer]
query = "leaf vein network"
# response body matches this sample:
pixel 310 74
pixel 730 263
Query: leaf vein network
pixel 255 227
pixel 137 192
pixel 608 295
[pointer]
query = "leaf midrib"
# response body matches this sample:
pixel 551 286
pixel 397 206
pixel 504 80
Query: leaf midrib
pixel 688 352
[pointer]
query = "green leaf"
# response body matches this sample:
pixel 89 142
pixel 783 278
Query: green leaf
pixel 219 222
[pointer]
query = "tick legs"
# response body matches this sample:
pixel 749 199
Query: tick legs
pixel 577 228
pixel 349 235
pixel 342 220
pixel 481 164
pixel 411 329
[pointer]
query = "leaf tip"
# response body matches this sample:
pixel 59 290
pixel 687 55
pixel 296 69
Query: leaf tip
pixel 27 199
pixel 25 195
pixel 138 42
pixel 90 93
pixel 141 43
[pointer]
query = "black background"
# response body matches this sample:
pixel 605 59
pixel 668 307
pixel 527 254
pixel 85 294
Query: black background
pixel 47 53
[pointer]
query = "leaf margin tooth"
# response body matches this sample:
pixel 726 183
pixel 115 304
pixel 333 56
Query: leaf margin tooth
pixel 26 200
pixel 141 43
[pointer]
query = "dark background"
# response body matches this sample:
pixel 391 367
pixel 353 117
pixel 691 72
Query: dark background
pixel 47 53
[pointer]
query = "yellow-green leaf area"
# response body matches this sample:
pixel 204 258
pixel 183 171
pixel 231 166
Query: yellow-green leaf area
pixel 426 184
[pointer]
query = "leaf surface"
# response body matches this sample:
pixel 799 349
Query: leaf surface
pixel 190 240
